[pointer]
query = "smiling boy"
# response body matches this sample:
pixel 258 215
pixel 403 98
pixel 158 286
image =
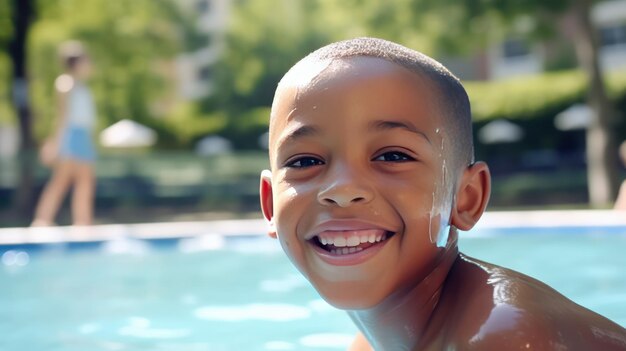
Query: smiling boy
pixel 372 174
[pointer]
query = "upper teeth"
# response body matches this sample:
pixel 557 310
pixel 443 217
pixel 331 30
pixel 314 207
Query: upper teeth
pixel 352 238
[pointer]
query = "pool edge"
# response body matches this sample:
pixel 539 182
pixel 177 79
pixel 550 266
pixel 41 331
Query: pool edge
pixel 258 227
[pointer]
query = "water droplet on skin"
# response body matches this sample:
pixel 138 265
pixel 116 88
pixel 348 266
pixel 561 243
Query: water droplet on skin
pixel 430 220
pixel 441 207
pixel 443 171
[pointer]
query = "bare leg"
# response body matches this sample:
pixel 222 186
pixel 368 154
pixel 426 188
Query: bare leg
pixel 83 196
pixel 53 194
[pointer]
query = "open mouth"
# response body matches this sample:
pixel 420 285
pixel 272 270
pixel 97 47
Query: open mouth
pixel 350 242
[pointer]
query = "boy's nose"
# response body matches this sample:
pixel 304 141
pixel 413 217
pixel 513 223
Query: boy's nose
pixel 345 192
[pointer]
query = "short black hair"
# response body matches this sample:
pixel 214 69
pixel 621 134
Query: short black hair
pixel 454 102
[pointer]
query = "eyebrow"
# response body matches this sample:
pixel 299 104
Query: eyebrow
pixel 378 125
pixel 382 125
pixel 298 133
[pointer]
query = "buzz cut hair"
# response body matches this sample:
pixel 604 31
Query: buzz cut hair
pixel 453 99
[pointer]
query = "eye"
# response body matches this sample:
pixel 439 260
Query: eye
pixel 394 156
pixel 303 162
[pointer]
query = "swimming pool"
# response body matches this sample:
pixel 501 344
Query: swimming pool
pixel 241 293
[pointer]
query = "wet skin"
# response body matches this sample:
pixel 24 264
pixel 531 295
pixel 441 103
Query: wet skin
pixel 357 151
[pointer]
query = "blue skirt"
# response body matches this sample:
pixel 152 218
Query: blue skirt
pixel 76 144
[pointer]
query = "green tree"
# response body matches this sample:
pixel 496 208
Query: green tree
pixel 22 13
pixel 482 18
pixel 6 34
pixel 129 41
pixel 257 52
pixel 265 38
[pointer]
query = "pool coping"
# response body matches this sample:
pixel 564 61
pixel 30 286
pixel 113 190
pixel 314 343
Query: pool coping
pixel 258 227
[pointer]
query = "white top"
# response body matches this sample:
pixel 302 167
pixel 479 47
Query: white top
pixel 80 110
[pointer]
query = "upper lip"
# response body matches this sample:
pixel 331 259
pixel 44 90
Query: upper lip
pixel 344 225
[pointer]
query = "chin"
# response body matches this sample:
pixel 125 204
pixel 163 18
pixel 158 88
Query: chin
pixel 350 297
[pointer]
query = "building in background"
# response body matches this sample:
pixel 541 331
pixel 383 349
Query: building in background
pixel 516 56
pixel 194 69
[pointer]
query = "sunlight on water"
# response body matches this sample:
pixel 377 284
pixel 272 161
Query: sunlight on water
pixel 329 340
pixel 286 284
pixel 206 293
pixel 15 258
pixel 263 312
pixel 153 333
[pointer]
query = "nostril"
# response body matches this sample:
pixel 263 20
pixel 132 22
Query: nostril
pixel 343 201
pixel 330 201
pixel 344 196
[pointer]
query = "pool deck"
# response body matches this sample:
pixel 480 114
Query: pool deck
pixel 255 227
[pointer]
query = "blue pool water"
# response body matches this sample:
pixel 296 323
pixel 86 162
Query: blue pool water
pixel 243 294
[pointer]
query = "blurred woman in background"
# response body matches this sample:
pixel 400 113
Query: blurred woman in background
pixel 70 150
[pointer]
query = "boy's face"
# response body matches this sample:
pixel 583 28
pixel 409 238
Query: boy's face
pixel 357 193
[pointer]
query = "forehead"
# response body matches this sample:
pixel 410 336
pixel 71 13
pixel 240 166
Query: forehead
pixel 357 86
pixel 314 74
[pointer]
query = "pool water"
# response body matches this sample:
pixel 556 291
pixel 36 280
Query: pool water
pixel 243 294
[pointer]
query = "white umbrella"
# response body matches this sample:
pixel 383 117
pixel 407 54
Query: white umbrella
pixel 213 145
pixel 127 134
pixel 577 116
pixel 500 131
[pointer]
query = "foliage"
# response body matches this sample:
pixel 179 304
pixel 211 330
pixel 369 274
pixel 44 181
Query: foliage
pixel 531 96
pixel 252 124
pixel 133 43
pixel 265 38
pixel 532 103
pixel 6 110
pixel 126 40
pixel 6 31
pixel 474 23
pixel 524 97
pixel 187 123
pixel 258 51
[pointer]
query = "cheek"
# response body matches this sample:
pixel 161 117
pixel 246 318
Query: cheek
pixel 412 197
pixel 418 244
pixel 292 203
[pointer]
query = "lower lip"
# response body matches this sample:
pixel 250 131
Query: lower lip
pixel 349 259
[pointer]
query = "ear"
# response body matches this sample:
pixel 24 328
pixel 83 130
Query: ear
pixel 472 196
pixel 267 201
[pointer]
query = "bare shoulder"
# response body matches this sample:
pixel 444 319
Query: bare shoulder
pixel 507 310
pixel 64 84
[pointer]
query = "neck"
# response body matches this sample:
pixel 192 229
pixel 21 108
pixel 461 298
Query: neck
pixel 401 321
pixel 74 75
